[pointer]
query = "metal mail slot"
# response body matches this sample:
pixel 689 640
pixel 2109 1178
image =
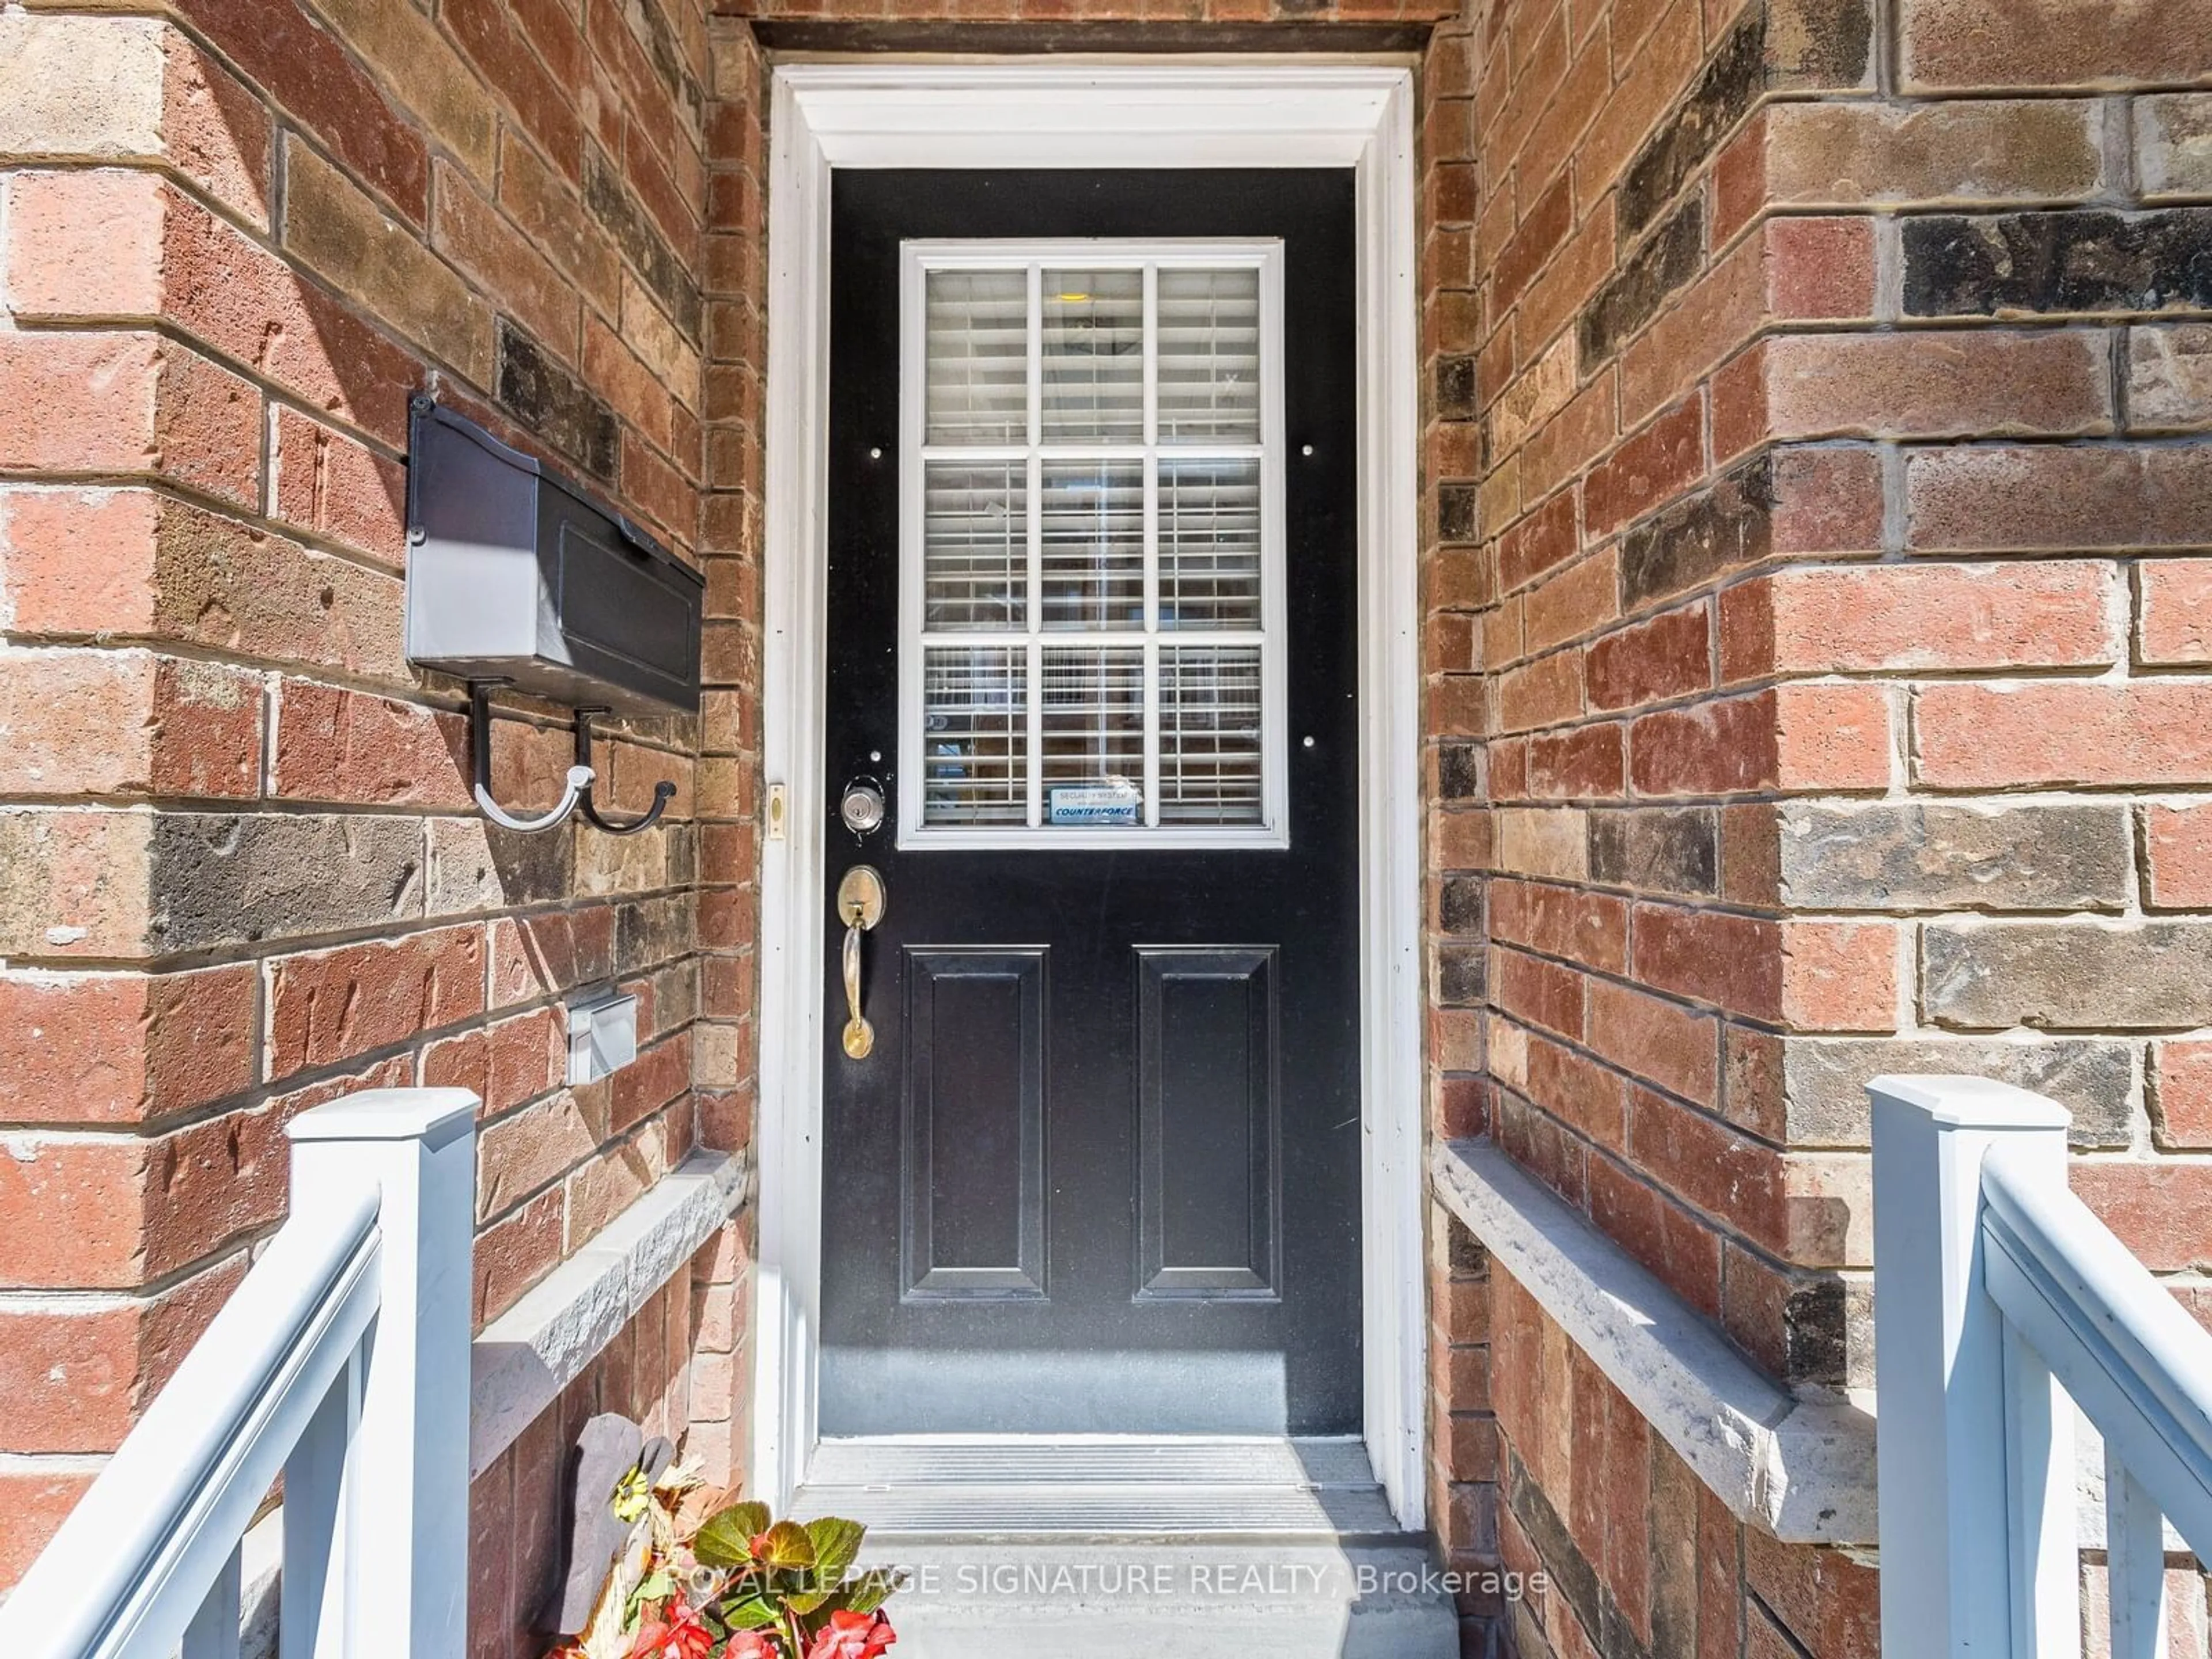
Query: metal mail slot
pixel 516 573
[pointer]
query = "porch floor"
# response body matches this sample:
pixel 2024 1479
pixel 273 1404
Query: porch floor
pixel 1094 1546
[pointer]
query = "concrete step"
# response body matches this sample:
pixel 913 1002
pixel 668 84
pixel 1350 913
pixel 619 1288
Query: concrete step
pixel 1125 1598
pixel 1098 1547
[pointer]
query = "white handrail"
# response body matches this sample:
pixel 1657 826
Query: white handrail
pixel 2001 1305
pixel 127 1571
pixel 2139 1367
pixel 335 1363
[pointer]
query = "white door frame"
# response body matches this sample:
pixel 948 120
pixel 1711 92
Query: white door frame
pixel 1245 112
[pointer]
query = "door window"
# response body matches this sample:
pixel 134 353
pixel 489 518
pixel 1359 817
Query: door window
pixel 1090 568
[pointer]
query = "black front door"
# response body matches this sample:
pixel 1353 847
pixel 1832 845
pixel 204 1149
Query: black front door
pixel 1091 639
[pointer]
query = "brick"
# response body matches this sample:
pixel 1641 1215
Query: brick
pixel 1548 842
pixel 1733 76
pixel 1732 962
pixel 1538 992
pixel 1703 1163
pixel 331 486
pixel 1983 149
pixel 1672 255
pixel 128 723
pixel 2179 842
pixel 1888 618
pixel 2174 144
pixel 336 229
pixel 223 879
pixel 2169 378
pixel 233 587
pixel 663 271
pixel 1840 977
pixel 303 67
pixel 1541 693
pixel 77 884
pixel 516 1251
pixel 86 243
pixel 1722 529
pixel 1885 856
pixel 75 1378
pixel 1570 603
pixel 37 1497
pixel 1655 849
pixel 124 403
pixel 2076 261
pixel 1655 661
pixel 1542 229
pixel 414 58
pixel 1536 394
pixel 469 230
pixel 2175 596
pixel 555 405
pixel 2157 1209
pixel 1718 748
pixel 334 744
pixel 2180 1076
pixel 329 1005
pixel 123 1048
pixel 1589 928
pixel 1545 539
pixel 214 130
pixel 1659 1041
pixel 1657 464
pixel 546 208
pixel 522 1154
pixel 1832 736
pixel 1818 270
pixel 1825 1080
pixel 2002 498
pixel 2049 43
pixel 2150 732
pixel 1931 384
pixel 1584 763
pixel 2068 975
pixel 76 85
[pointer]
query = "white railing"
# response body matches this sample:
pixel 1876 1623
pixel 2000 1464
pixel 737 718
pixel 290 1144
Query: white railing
pixel 2002 1303
pixel 342 1363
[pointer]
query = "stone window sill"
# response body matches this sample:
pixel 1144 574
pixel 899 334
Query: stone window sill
pixel 1800 1471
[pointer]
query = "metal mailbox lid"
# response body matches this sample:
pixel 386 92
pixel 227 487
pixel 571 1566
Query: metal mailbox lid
pixel 515 572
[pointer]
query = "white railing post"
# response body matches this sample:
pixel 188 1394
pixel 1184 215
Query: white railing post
pixel 1977 1495
pixel 382 1536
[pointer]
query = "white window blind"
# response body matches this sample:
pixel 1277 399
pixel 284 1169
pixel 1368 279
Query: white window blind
pixel 1091 567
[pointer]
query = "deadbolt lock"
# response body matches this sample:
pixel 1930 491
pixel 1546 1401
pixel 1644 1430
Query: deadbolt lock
pixel 862 807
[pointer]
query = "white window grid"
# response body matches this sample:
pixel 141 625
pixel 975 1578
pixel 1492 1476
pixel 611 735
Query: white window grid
pixel 1034 257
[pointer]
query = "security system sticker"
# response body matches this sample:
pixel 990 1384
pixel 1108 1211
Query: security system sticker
pixel 1114 801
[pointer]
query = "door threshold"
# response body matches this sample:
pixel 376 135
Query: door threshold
pixel 1101 1485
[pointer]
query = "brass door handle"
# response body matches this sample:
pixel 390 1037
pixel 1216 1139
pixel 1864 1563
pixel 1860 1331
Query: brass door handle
pixel 861 901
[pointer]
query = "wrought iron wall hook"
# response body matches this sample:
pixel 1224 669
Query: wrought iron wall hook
pixel 577 789
pixel 663 792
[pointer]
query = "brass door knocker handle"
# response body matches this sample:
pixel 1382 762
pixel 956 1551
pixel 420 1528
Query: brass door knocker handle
pixel 860 904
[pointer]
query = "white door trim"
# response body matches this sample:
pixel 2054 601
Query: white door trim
pixel 1128 112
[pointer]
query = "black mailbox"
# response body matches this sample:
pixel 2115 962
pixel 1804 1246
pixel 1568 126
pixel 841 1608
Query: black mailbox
pixel 515 574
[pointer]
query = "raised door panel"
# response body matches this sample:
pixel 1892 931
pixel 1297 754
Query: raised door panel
pixel 1208 1107
pixel 972 1188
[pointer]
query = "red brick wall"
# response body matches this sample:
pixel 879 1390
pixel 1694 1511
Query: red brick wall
pixel 243 873
pixel 1823 591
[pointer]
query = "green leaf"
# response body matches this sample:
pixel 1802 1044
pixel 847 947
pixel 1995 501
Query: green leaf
pixel 725 1539
pixel 870 1590
pixel 786 1546
pixel 836 1541
pixel 752 1614
pixel 655 1586
pixel 804 1602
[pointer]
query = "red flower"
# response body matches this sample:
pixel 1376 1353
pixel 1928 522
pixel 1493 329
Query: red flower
pixel 686 1638
pixel 752 1644
pixel 851 1636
